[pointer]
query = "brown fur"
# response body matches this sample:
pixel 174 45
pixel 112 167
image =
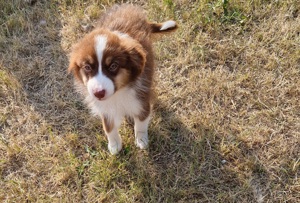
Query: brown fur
pixel 129 42
pixel 108 125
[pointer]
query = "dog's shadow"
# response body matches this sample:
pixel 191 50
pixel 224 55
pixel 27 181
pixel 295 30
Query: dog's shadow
pixel 180 159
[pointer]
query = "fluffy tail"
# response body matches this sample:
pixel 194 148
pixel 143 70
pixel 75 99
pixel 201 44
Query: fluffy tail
pixel 161 28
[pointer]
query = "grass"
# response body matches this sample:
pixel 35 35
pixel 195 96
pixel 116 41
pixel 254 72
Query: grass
pixel 226 122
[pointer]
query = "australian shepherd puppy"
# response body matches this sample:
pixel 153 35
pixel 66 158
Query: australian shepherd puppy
pixel 113 68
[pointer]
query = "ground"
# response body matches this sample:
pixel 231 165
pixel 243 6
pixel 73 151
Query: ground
pixel 226 120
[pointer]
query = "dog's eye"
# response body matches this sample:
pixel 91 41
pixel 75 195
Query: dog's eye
pixel 87 68
pixel 113 67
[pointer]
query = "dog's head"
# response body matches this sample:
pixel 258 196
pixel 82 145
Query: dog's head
pixel 106 61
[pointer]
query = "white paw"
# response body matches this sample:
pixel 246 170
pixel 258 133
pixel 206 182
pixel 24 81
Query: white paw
pixel 114 148
pixel 142 140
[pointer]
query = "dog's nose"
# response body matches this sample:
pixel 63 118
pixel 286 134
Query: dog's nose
pixel 100 94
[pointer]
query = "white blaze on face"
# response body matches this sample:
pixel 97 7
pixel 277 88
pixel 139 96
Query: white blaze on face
pixel 100 81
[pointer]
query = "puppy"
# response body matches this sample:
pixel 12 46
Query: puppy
pixel 113 69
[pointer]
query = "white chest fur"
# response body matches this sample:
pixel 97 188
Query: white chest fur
pixel 121 103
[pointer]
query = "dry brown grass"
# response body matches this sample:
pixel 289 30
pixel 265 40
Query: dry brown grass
pixel 226 126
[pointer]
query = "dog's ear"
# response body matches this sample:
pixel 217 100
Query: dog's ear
pixel 136 57
pixel 74 68
pixel 168 26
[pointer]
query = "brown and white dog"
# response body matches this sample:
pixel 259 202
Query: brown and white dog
pixel 113 67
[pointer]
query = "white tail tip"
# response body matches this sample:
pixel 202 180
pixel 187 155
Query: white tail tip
pixel 168 24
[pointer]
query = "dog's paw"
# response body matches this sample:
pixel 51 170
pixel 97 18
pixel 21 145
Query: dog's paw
pixel 142 140
pixel 114 148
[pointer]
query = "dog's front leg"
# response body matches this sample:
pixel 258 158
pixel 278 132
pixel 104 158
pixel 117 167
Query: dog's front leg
pixel 111 130
pixel 141 132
